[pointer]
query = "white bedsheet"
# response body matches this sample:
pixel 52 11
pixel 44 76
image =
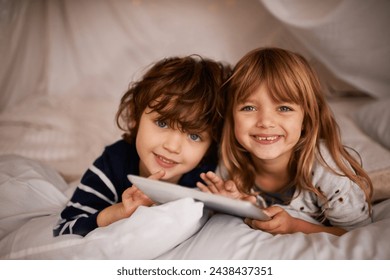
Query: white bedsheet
pixel 177 230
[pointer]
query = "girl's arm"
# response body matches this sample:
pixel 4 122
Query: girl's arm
pixel 283 223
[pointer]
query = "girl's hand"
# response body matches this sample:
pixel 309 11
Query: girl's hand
pixel 281 222
pixel 214 184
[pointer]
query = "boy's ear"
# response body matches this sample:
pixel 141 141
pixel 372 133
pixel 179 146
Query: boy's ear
pixel 132 124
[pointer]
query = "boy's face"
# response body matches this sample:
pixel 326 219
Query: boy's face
pixel 163 147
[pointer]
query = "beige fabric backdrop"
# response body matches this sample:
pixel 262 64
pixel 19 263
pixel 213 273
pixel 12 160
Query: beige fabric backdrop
pixel 95 48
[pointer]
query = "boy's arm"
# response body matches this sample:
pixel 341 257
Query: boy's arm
pixel 95 192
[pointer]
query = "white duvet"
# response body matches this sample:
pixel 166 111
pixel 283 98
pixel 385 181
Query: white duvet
pixel 32 196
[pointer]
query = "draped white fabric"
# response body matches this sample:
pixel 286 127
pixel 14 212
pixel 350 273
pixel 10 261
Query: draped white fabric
pixel 95 48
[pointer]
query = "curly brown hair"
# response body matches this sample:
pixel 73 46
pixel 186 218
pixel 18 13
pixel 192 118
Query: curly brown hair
pixel 185 91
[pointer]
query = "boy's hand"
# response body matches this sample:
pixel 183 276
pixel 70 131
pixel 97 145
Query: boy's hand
pixel 214 184
pixel 134 197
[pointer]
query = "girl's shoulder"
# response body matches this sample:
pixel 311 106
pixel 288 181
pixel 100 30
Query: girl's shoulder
pixel 325 165
pixel 324 157
pixel 326 175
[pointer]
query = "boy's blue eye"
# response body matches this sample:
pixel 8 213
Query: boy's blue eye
pixel 195 137
pixel 161 124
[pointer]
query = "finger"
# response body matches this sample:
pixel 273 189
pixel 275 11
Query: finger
pixel 250 223
pixel 158 175
pixel 141 197
pixel 135 195
pixel 210 185
pixel 268 226
pixel 129 192
pixel 206 179
pixel 216 180
pixel 273 210
pixel 203 187
pixel 230 186
pixel 250 198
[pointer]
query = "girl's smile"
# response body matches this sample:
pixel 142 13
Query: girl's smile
pixel 267 139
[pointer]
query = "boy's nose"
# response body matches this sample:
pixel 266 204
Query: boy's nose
pixel 173 142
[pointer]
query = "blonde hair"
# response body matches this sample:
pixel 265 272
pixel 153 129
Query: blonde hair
pixel 289 78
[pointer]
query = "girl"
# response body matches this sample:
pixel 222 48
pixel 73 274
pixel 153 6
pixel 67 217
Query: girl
pixel 281 142
pixel 172 119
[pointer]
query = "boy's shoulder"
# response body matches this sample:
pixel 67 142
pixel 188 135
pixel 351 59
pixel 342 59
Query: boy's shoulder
pixel 119 158
pixel 120 145
pixel 121 151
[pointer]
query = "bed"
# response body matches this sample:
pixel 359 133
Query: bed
pixel 37 177
pixel 62 76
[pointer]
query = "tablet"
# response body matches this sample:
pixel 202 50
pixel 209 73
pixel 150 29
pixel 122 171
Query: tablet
pixel 162 192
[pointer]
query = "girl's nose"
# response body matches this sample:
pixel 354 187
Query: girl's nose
pixel 173 141
pixel 265 119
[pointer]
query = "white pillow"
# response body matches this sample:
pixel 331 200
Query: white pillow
pixel 149 232
pixel 225 237
pixel 32 196
pixel 28 189
pixel 374 120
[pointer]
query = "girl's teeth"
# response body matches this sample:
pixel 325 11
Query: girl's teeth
pixel 270 138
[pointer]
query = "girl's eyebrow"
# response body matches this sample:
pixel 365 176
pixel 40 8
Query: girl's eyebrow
pixel 246 100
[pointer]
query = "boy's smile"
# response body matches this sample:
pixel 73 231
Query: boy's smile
pixel 165 162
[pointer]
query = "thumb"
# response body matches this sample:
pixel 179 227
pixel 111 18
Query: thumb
pixel 273 210
pixel 158 175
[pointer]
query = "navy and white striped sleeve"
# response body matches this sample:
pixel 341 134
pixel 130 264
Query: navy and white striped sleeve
pixel 95 192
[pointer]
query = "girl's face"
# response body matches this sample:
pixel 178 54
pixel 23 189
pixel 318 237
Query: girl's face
pixel 162 147
pixel 267 130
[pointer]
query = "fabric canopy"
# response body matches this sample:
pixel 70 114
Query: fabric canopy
pixel 95 48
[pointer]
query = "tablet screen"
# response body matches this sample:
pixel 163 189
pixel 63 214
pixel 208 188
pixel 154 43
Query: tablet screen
pixel 162 192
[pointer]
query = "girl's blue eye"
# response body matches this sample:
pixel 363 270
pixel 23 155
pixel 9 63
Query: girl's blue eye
pixel 161 124
pixel 248 108
pixel 195 137
pixel 285 109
